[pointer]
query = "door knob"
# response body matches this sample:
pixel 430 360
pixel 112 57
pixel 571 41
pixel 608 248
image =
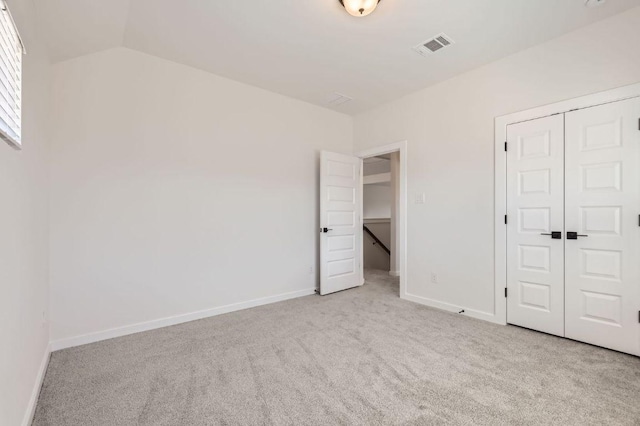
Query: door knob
pixel 574 235
pixel 325 230
pixel 556 235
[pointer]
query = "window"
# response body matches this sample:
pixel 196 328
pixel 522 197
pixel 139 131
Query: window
pixel 11 51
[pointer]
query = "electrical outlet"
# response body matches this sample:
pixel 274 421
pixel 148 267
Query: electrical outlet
pixel 434 278
pixel 310 270
pixel 421 198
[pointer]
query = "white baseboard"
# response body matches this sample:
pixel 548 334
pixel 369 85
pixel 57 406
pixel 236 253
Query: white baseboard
pixel 33 400
pixel 486 316
pixel 394 273
pixel 173 320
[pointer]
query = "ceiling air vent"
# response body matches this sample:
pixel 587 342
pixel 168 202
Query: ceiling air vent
pixel 337 99
pixel 433 45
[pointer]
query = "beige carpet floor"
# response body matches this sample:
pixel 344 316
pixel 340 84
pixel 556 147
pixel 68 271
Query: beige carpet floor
pixel 362 356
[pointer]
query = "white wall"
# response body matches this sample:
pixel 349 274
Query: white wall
pixel 449 128
pixel 175 191
pixel 376 201
pixel 24 216
pixel 378 166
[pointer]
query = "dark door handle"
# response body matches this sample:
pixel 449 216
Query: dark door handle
pixel 556 235
pixel 574 235
pixel 325 230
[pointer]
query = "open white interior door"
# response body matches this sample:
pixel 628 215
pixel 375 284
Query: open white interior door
pixel 340 222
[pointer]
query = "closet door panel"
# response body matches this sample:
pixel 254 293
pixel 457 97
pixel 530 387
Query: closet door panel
pixel 535 209
pixel 602 283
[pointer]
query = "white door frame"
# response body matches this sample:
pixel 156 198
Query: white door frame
pixel 500 163
pixel 401 148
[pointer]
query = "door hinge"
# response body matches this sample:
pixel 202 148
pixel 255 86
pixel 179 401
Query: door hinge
pixel 505 219
pixel 506 290
pixel 505 147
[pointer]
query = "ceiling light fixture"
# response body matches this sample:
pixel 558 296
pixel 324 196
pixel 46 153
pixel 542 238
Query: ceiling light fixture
pixel 359 7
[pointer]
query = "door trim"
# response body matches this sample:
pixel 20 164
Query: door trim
pixel 500 169
pixel 400 147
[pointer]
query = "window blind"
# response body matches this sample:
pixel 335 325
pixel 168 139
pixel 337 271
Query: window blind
pixel 11 51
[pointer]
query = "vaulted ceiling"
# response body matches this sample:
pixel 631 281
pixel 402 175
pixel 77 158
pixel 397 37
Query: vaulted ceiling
pixel 309 49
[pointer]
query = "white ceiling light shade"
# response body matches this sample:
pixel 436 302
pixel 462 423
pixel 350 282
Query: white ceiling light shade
pixel 359 7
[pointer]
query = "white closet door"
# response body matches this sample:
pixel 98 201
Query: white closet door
pixel 535 207
pixel 602 207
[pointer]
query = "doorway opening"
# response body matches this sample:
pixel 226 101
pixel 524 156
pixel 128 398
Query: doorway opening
pixel 379 218
pixel 384 178
pixel 342 232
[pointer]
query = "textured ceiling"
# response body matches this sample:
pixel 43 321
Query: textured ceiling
pixel 309 49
